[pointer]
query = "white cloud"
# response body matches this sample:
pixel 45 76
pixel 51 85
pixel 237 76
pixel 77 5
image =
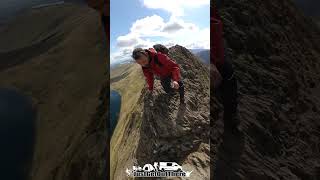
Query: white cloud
pixel 127 40
pixel 175 7
pixel 131 40
pixel 119 56
pixel 151 30
pixel 147 26
pixel 154 26
pixel 192 38
pixel 172 27
pixel 124 51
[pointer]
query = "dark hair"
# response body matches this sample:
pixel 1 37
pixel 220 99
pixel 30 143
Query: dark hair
pixel 137 52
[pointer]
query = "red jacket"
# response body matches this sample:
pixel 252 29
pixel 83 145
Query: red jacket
pixel 217 47
pixel 164 68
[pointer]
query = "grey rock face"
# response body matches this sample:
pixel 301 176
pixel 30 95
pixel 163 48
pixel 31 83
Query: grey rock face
pixel 275 53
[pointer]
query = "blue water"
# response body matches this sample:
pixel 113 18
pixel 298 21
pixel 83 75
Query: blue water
pixel 115 105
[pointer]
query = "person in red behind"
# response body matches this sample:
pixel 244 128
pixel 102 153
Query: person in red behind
pixel 159 64
pixel 225 83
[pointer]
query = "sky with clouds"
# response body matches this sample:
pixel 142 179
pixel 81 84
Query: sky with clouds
pixel 143 23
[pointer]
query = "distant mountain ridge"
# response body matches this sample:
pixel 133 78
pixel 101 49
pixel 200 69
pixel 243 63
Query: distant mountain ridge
pixel 204 56
pixel 195 51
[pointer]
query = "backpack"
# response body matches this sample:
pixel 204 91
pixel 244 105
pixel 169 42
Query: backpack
pixel 161 48
pixel 156 60
pixel 157 48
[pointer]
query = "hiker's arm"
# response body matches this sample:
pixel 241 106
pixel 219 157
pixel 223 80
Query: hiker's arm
pixel 217 39
pixel 174 67
pixel 217 78
pixel 149 77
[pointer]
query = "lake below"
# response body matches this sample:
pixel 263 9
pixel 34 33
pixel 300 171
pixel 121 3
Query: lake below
pixel 17 132
pixel 115 106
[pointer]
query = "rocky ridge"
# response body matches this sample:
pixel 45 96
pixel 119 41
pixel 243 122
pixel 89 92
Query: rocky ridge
pixel 166 131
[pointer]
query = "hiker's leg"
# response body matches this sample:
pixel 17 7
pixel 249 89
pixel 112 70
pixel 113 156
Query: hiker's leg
pixel 181 90
pixel 166 84
pixel 229 94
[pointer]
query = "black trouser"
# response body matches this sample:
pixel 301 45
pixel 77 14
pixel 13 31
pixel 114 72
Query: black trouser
pixel 166 84
pixel 227 94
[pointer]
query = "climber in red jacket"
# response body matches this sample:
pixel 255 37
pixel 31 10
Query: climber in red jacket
pixel 225 83
pixel 159 64
pixel 217 40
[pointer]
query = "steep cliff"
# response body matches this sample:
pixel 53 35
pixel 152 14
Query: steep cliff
pixel 158 129
pixel 57 56
pixel 276 54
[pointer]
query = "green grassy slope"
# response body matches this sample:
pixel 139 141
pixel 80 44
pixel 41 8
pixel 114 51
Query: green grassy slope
pixel 128 80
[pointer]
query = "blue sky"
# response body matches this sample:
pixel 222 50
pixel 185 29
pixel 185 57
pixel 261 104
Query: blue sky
pixel 142 23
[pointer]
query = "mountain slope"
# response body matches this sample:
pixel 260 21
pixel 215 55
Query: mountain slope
pixel 275 51
pixel 128 80
pixel 159 129
pixel 57 56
